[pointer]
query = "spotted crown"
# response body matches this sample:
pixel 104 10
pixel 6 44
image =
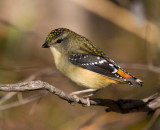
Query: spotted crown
pixel 56 33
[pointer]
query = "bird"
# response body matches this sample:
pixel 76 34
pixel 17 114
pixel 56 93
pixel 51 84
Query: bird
pixel 85 64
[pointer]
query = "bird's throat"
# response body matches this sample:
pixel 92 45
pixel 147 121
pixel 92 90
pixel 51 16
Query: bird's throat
pixel 56 54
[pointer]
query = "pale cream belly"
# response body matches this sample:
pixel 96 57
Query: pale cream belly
pixel 88 78
pixel 82 77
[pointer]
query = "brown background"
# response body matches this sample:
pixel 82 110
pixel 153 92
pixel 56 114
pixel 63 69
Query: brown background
pixel 127 31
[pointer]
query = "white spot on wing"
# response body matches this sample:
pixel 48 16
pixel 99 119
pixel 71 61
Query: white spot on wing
pixel 101 61
pixel 111 65
pixel 114 71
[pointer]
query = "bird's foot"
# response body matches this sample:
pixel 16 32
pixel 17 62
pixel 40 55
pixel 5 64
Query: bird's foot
pixel 88 102
pixel 77 99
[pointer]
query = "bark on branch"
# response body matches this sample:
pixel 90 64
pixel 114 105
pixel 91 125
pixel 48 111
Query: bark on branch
pixel 149 104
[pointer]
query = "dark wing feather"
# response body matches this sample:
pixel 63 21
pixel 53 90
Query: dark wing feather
pixel 96 64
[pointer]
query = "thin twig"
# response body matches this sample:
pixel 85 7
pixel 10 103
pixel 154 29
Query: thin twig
pixel 152 121
pixel 43 72
pixel 25 101
pixel 7 97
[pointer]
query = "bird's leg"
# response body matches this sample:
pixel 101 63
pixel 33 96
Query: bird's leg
pixel 91 94
pixel 83 91
pixel 74 94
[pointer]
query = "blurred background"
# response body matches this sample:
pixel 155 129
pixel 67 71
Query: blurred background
pixel 126 30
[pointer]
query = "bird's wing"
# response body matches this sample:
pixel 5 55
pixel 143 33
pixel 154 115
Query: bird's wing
pixel 103 66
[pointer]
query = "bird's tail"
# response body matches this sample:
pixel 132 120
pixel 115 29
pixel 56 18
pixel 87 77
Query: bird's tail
pixel 134 80
pixel 129 78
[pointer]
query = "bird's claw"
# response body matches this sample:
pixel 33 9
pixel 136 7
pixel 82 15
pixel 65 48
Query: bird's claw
pixel 88 102
pixel 77 99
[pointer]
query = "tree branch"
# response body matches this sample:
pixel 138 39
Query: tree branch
pixel 149 104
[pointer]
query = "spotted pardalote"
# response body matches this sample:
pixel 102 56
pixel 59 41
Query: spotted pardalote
pixel 85 64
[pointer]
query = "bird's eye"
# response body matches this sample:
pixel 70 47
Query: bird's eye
pixel 59 40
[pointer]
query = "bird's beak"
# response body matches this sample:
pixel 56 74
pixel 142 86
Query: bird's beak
pixel 45 45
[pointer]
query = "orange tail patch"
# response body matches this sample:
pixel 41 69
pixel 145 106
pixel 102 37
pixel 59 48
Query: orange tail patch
pixel 123 74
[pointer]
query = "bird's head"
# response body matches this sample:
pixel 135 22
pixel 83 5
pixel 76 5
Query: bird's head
pixel 62 39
